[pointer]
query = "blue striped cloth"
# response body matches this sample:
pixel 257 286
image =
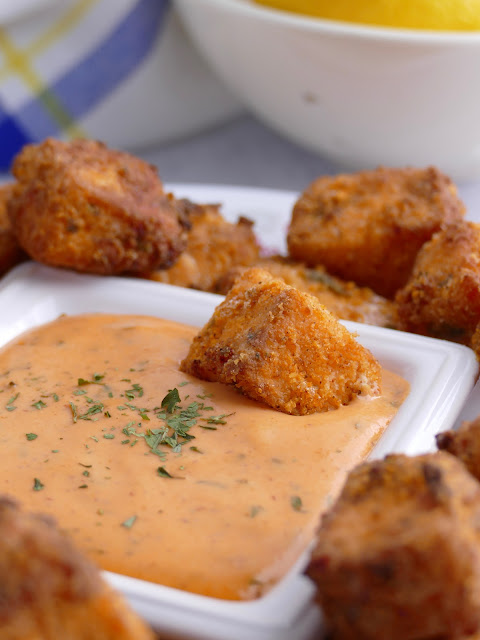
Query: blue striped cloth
pixel 55 74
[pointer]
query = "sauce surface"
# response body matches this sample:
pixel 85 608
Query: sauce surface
pixel 226 513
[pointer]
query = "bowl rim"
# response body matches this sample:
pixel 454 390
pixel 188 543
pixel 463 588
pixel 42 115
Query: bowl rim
pixel 339 28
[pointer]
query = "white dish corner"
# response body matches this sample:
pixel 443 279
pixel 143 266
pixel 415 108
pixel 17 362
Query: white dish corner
pixel 441 375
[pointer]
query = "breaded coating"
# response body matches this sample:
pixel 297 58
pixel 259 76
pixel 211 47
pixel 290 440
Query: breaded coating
pixel 50 591
pixel 442 296
pixel 10 252
pixel 83 206
pixel 280 346
pixel 464 443
pixel 369 226
pixel 398 555
pixel 344 299
pixel 214 246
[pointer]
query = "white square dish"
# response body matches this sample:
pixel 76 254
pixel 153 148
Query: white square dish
pixel 440 374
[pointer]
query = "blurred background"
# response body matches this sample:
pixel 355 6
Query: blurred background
pixel 231 92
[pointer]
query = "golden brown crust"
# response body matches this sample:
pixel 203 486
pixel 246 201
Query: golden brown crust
pixel 464 443
pixel 49 590
pixel 442 296
pixel 368 226
pixel 10 252
pixel 83 206
pixel 342 298
pixel 398 555
pixel 214 246
pixel 280 346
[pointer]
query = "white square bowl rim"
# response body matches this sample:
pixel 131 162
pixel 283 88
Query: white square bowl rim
pixel 441 375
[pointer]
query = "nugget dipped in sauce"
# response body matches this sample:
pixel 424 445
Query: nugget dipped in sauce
pixel 282 347
pixel 398 555
pixel 50 591
pixel 214 246
pixel 368 226
pixel 342 298
pixel 10 252
pixel 464 443
pixel 442 296
pixel 83 206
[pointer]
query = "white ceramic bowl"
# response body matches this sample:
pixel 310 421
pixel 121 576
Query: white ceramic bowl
pixel 122 71
pixel 362 95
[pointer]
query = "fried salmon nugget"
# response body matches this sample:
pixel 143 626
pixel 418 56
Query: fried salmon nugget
pixel 368 226
pixel 83 206
pixel 282 347
pixel 464 443
pixel 50 591
pixel 344 299
pixel 398 555
pixel 442 296
pixel 214 246
pixel 10 252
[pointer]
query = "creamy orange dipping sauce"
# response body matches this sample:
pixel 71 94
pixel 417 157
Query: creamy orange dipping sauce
pixel 77 397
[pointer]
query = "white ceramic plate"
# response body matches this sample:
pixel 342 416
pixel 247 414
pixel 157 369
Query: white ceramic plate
pixel 441 375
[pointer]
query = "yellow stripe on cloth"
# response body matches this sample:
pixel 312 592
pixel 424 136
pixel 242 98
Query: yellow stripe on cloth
pixel 64 24
pixel 18 62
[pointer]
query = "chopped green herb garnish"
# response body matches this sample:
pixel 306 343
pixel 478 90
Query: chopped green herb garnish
pixel 296 503
pixel 109 436
pixel 96 379
pixel 135 392
pixel 10 406
pixel 74 411
pixel 218 419
pixel 31 436
pixel 94 409
pixel 129 522
pixel 163 473
pixel 171 400
pixel 40 404
pixel 37 485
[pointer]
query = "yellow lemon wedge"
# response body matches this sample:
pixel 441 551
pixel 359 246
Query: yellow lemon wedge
pixel 439 15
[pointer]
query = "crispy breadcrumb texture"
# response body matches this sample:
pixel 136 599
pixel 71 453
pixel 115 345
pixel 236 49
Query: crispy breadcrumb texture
pixel 398 555
pixel 214 246
pixel 10 252
pixel 442 297
pixel 282 347
pixel 344 299
pixel 463 443
pixel 83 206
pixel 50 591
pixel 369 226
